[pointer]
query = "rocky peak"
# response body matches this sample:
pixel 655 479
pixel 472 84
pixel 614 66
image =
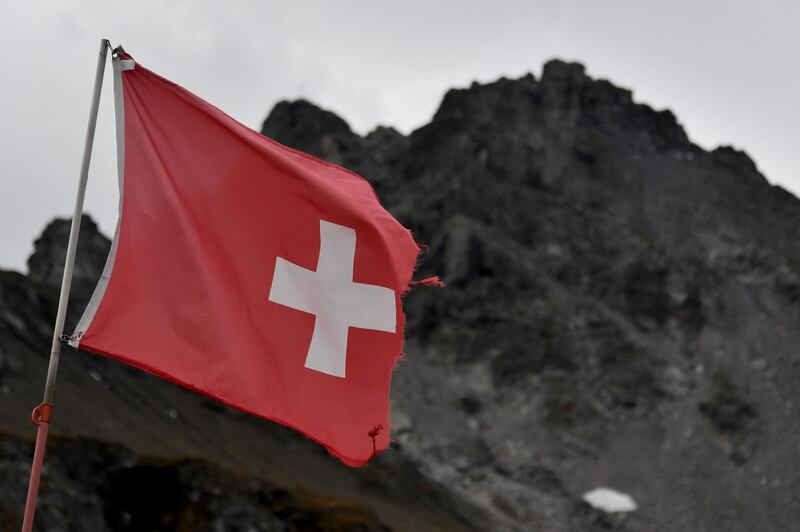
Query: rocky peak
pixel 309 128
pixel 46 264
pixel 556 70
pixel 304 126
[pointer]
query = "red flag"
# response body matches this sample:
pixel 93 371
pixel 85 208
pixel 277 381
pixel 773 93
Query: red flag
pixel 248 271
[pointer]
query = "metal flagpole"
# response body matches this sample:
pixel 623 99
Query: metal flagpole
pixel 43 413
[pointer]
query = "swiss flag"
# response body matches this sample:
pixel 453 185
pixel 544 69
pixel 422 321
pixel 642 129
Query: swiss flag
pixel 248 271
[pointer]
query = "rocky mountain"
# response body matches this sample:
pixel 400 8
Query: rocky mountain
pixel 621 311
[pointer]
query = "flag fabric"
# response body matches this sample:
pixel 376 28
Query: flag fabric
pixel 248 271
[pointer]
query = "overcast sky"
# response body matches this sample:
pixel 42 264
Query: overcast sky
pixel 727 68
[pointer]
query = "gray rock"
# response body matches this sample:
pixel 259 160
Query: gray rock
pixel 596 260
pixel 46 264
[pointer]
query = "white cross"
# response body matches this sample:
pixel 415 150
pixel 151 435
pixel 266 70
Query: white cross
pixel 331 295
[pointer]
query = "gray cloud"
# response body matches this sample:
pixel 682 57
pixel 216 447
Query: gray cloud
pixel 725 68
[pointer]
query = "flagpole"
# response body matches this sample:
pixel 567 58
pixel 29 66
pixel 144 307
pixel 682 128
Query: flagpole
pixel 42 414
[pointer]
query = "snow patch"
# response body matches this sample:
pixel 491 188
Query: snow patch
pixel 610 500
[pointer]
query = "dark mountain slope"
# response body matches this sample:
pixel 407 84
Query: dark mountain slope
pixel 621 305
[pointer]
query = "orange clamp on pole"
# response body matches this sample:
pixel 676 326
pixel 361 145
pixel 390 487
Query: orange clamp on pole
pixel 42 414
